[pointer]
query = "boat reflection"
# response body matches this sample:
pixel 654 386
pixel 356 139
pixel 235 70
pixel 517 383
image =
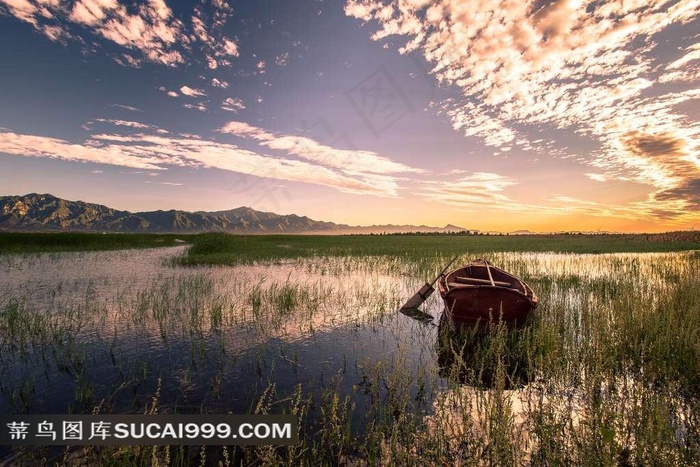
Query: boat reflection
pixel 487 360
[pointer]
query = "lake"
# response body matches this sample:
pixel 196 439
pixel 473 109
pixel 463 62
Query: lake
pixel 130 332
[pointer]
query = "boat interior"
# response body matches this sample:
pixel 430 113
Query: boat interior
pixel 481 272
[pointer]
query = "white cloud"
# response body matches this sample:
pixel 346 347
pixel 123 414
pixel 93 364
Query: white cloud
pixel 191 92
pixel 54 148
pixel 156 152
pixel 149 29
pixel 230 48
pixel 163 183
pixel 127 107
pixel 197 152
pixel 128 61
pixel 693 54
pixel 587 67
pixel 232 104
pixel 246 130
pixel 597 177
pixel 201 106
pixel 282 59
pixel 126 123
pixel 478 191
pixel 208 30
pixel 92 12
pixel 56 33
pixel 355 161
pixel 152 30
pixel 22 9
pixel 362 10
pixel 475 189
pixel 219 83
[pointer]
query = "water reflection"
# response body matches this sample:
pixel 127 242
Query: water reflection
pixel 417 314
pixel 482 359
pixel 80 328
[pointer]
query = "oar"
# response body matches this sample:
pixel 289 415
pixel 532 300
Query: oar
pixel 425 291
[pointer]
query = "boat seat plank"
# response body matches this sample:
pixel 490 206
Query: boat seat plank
pixel 473 280
pixel 456 285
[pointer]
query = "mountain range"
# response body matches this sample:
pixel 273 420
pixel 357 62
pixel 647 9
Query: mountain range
pixel 45 212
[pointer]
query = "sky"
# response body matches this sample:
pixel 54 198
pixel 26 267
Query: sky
pixel 491 115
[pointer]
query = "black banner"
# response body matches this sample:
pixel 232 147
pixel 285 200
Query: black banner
pixel 143 430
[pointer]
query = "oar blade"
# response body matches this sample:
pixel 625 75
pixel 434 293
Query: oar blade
pixel 422 295
pixel 418 299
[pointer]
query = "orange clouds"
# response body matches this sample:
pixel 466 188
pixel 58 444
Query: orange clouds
pixel 669 155
pixel 590 68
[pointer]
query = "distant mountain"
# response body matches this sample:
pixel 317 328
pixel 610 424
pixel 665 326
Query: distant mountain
pixel 394 229
pixel 522 232
pixel 45 212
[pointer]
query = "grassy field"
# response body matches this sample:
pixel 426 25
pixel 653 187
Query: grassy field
pixel 227 249
pixel 217 248
pixel 21 242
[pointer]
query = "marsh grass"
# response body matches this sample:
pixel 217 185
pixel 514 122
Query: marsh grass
pixel 31 242
pixel 221 248
pixel 606 373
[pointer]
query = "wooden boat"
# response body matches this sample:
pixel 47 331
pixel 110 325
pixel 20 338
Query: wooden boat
pixel 482 294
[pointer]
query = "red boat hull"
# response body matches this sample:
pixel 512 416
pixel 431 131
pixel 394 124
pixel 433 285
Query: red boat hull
pixel 471 299
pixel 485 304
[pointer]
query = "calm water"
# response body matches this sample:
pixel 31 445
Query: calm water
pixel 215 337
pixel 105 330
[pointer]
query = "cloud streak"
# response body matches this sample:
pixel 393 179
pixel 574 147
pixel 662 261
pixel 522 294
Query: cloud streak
pixel 159 152
pixel 127 107
pixel 356 161
pixel 232 104
pixel 90 151
pixel 476 190
pixel 469 191
pixel 480 191
pixel 191 92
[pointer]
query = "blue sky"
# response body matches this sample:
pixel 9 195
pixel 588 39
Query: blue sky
pixel 490 115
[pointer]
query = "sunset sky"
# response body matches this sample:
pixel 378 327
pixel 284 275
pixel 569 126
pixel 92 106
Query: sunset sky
pixel 491 115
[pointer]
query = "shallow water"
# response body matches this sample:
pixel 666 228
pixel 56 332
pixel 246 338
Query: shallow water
pixel 125 319
pixel 106 330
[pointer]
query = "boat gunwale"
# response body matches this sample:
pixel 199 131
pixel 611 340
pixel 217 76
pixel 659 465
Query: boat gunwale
pixel 446 289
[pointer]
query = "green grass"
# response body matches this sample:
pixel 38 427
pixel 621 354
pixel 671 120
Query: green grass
pixel 21 242
pixel 219 248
